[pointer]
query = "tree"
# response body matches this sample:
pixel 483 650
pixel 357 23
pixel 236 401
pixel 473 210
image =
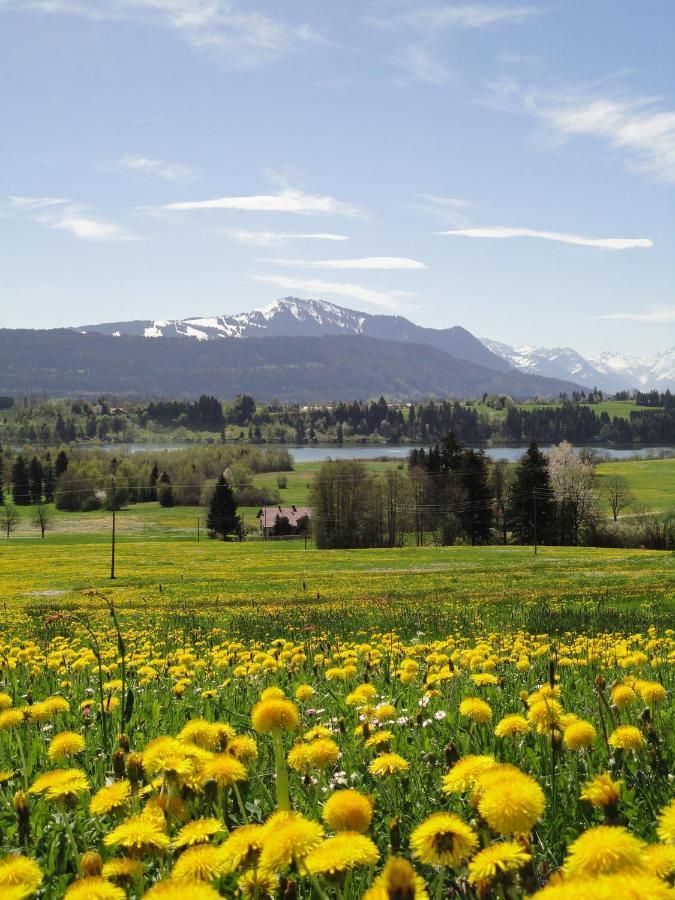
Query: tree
pixel 49 480
pixel 619 495
pixel 532 503
pixel 572 480
pixel 42 517
pixel 61 463
pixel 9 517
pixel 164 490
pixel 243 409
pixel 20 482
pixel 339 499
pixel 475 514
pixel 35 476
pixel 222 519
pixel 501 485
pixel 2 472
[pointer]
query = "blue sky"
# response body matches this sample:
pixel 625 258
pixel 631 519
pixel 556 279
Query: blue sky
pixel 509 167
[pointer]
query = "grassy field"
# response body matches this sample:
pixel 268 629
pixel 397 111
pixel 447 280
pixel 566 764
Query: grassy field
pixel 652 481
pixel 614 408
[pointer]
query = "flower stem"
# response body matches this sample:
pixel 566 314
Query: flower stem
pixel 283 799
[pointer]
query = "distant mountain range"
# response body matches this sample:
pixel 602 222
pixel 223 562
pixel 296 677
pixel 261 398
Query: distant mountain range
pixel 609 372
pixel 296 351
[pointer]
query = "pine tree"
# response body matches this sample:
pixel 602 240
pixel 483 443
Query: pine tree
pixel 49 479
pixel 222 519
pixel 35 476
pixel 476 512
pixel 154 477
pixel 532 495
pixel 61 463
pixel 20 482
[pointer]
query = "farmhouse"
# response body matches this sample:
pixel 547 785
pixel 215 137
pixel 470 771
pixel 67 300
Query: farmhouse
pixel 281 520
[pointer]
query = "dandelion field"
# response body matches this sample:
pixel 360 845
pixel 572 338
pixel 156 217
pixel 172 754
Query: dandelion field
pixel 260 720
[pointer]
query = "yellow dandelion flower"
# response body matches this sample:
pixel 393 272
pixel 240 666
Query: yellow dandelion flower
pixel 179 889
pixel 11 718
pixel 243 748
pixel 348 810
pixel 623 696
pixel 64 745
pixel 207 735
pixel 323 753
pixel 123 869
pixel 652 692
pixel 398 879
pixel 604 850
pixel 139 835
pixel 602 790
pixel 545 714
pixel 512 726
pixel 475 709
pixel 496 860
pixel 223 769
pixel 666 829
pixel 96 888
pixel 110 798
pixel 273 713
pixel 579 735
pixel 20 871
pixel 257 884
pixel 347 850
pixel 388 764
pixel 509 800
pixel 626 737
pixel 443 839
pixel 242 848
pixel 198 831
pixel 304 692
pixel 484 679
pixel 622 886
pixel 298 758
pixel 5 701
pixel 462 777
pixel 660 860
pixel 272 693
pixel 60 784
pixel 202 862
pixel 319 731
pixel 288 837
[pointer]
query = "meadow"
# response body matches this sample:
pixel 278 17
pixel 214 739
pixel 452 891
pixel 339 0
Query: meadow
pixel 261 720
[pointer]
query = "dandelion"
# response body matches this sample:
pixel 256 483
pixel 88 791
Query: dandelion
pixel 298 758
pixel 65 745
pixel 11 718
pixel 60 784
pixel 288 838
pixel 96 888
pixel 348 810
pixel 275 713
pixel 603 850
pixel 443 840
pixel 388 764
pixel 243 748
pixel 19 871
pixel 462 777
pixel 110 798
pixel 202 862
pixel 242 848
pixel 626 737
pixel 623 696
pixel 398 879
pixel 651 692
pixel 496 860
pixel 338 854
pixel 223 769
pixel 256 884
pixel 545 715
pixel 123 869
pixel 198 831
pixel 512 726
pixel 323 753
pixel 178 889
pixel 622 886
pixel 139 835
pixel 602 790
pixel 579 735
pixel 304 692
pixel 660 860
pixel 666 829
pixel 475 709
pixel 509 801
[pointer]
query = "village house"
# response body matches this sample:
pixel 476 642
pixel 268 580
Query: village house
pixel 276 521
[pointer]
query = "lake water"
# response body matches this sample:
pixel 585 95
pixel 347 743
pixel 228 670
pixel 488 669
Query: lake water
pixel 364 451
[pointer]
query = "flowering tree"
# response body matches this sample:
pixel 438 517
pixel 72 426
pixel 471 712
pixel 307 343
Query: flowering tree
pixel 573 481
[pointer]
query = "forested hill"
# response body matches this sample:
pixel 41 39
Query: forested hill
pixel 292 369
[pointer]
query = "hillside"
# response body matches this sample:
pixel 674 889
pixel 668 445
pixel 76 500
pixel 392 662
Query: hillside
pixel 291 369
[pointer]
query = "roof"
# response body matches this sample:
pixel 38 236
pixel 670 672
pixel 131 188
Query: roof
pixel 269 514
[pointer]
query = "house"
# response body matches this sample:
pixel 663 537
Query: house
pixel 268 516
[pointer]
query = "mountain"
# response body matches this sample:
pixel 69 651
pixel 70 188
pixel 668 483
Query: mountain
pixel 292 369
pixel 293 317
pixel 610 372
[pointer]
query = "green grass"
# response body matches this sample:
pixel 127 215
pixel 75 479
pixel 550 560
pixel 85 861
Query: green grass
pixel 652 482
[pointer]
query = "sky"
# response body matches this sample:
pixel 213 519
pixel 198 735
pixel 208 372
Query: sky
pixel 505 166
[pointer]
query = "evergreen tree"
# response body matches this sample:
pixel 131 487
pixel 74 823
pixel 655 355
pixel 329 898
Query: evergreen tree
pixel 154 477
pixel 532 495
pixel 164 490
pixel 35 476
pixel 476 512
pixel 49 479
pixel 20 482
pixel 2 483
pixel 61 463
pixel 222 519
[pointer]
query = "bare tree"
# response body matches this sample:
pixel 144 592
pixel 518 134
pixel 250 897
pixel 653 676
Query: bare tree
pixel 619 495
pixel 42 517
pixel 572 479
pixel 501 482
pixel 9 516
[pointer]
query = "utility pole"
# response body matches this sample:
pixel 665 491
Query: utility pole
pixel 113 500
pixel 534 510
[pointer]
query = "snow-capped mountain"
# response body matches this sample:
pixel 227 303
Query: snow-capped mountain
pixel 293 317
pixel 608 372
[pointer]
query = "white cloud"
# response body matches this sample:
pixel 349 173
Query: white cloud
pixel 241 36
pixel 421 64
pixel 288 200
pixel 275 238
pixel 165 170
pixel 368 262
pixel 656 315
pixel 391 299
pixel 500 232
pixel 60 213
pixel 448 209
pixel 467 15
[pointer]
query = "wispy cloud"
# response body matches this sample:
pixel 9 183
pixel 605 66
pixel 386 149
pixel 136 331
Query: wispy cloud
pixel 291 201
pixel 276 238
pixel 368 262
pixel 501 232
pixel 241 35
pixel 62 214
pixel 159 168
pixel 422 64
pixel 451 210
pixel 657 314
pixel 467 15
pixel 317 288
